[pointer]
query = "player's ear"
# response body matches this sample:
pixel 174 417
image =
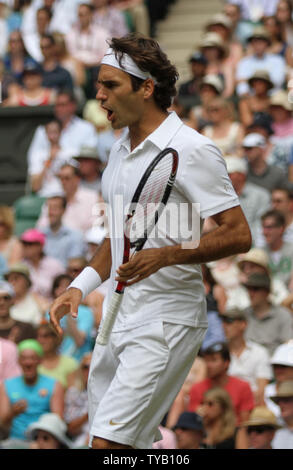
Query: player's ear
pixel 149 88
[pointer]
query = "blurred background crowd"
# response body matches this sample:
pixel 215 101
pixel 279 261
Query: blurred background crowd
pixel 239 393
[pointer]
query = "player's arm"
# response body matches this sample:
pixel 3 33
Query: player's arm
pixel 231 236
pixel 90 278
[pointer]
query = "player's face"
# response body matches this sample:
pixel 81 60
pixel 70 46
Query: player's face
pixel 123 105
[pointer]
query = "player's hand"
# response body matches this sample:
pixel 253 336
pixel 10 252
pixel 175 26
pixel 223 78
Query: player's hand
pixel 141 265
pixel 67 302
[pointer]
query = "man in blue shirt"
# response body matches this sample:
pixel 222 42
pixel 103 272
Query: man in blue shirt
pixel 62 242
pixel 260 59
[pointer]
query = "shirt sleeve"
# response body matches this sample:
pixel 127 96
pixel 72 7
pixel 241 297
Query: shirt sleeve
pixel 204 180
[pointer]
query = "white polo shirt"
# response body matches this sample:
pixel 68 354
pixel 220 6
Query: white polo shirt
pixel 175 293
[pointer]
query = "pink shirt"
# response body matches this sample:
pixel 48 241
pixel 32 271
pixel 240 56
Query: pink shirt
pixel 80 213
pixel 88 47
pixel 283 130
pixel 8 360
pixel 43 276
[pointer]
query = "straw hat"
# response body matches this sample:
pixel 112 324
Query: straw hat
pixel 260 32
pixel 220 19
pixel 261 75
pixel 285 391
pixel 280 98
pixel 214 40
pixel 214 81
pixel 262 416
pixel 256 256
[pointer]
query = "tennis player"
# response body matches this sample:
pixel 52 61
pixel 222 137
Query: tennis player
pixel 162 320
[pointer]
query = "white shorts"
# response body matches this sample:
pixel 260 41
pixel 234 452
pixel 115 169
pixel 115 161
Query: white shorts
pixel 135 378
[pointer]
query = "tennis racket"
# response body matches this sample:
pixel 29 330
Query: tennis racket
pixel 148 202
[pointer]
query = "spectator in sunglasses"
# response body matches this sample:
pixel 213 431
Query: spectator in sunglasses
pixel 268 325
pixel 284 399
pixel 261 428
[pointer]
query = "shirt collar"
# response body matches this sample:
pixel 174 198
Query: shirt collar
pixel 160 137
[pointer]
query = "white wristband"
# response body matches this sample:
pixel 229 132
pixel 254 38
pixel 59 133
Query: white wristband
pixel 86 281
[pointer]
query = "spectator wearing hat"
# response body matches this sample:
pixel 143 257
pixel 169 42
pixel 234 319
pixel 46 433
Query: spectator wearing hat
pixel 11 329
pixel 268 325
pixel 260 59
pixel 32 93
pixel 260 428
pixel 216 51
pixel 79 200
pixel 281 112
pixel 280 253
pixel 42 268
pixel 256 260
pixel 27 306
pixel 217 359
pixel 189 431
pixel 221 24
pixel 254 200
pixel 90 166
pixel 259 171
pixel 44 166
pixel 49 432
pixel 249 361
pixel 62 243
pixel 225 131
pixel 258 99
pixel 282 365
pixel 219 419
pixel 23 399
pixel 284 399
pixel 211 87
pixel 189 90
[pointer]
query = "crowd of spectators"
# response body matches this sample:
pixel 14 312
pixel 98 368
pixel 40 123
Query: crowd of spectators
pixel 239 392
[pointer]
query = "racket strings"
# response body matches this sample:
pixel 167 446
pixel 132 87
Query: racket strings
pixel 150 200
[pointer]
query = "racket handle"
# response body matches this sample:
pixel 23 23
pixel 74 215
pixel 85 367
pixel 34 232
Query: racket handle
pixel 110 318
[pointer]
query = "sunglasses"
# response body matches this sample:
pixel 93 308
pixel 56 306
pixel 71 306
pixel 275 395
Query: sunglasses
pixel 229 319
pixel 209 403
pixel 5 297
pixel 85 366
pixel 259 429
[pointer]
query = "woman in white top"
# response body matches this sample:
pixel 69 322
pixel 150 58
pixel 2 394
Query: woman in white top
pixel 224 130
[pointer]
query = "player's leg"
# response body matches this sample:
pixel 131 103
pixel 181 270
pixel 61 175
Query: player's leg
pixel 153 360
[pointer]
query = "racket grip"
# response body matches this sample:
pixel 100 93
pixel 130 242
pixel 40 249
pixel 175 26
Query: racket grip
pixel 110 318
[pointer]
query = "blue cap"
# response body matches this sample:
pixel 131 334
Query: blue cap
pixel 198 57
pixel 190 420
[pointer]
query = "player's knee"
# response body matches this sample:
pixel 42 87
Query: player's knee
pixel 104 444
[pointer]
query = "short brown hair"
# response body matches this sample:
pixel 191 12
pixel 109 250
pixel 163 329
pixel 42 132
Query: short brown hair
pixel 149 57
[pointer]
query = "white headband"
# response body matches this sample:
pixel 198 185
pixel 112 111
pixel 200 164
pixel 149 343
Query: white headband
pixel 127 65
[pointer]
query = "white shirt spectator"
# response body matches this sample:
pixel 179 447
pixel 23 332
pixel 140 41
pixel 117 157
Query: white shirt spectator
pixel 273 63
pixel 76 134
pixel 252 364
pixel 254 10
pixel 51 183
